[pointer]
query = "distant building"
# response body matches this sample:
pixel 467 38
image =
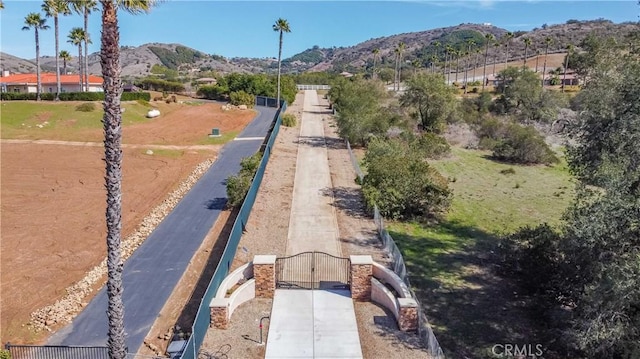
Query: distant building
pixel 206 81
pixel 27 83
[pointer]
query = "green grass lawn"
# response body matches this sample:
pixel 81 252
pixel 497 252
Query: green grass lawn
pixel 453 263
pixel 29 120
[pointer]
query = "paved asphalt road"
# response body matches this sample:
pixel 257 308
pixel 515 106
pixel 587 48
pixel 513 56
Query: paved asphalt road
pixel 153 270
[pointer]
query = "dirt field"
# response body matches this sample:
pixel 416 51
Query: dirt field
pixel 53 203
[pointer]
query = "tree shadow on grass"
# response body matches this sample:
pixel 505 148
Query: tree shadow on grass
pixel 470 307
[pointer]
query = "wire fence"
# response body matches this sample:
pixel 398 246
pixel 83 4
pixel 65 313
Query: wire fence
pixel 397 263
pixel 201 322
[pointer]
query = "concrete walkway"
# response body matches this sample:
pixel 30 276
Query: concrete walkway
pixel 313 323
pixel 313 225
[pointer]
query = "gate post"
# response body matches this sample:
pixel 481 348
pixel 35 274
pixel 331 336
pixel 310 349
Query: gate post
pixel 264 273
pixel 361 274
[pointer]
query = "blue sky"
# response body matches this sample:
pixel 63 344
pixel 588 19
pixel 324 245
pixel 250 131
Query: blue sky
pixel 243 28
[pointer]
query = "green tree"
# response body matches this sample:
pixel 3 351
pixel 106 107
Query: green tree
pixel 76 37
pixel 386 75
pixel 523 96
pixel 85 7
pixel 280 26
pixel 65 56
pixel 432 100
pixel 591 267
pixel 489 38
pixel 360 116
pixel 112 122
pixel 401 183
pixel 35 22
pixel 54 8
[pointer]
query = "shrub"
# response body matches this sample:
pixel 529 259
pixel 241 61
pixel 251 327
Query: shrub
pixel 432 145
pixel 401 183
pixel 532 256
pixel 5 354
pixel 289 120
pixel 523 145
pixel 238 185
pixel 242 98
pixel 86 107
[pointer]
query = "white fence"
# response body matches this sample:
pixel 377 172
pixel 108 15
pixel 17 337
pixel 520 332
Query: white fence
pixel 313 87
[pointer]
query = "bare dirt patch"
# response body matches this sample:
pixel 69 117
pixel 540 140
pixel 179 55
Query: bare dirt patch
pixel 53 202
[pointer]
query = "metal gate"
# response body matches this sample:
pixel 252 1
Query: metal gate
pixel 56 352
pixel 313 270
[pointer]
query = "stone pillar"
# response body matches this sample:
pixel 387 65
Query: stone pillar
pixel 408 320
pixel 361 274
pixel 264 273
pixel 219 309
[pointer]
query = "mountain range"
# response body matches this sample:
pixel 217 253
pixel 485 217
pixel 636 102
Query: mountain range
pixel 138 61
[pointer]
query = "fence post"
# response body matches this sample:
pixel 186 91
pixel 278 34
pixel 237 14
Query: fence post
pixel 264 273
pixel 361 274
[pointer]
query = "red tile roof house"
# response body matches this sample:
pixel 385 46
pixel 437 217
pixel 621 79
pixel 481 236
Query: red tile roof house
pixel 27 83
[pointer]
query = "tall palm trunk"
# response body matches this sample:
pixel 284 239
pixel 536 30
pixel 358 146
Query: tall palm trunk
pixel 506 55
pixel 484 69
pixel 279 66
pixel 38 80
pixel 86 49
pixel 80 65
pixel 466 72
pixel 566 64
pixel 58 86
pixel 373 75
pixel 544 66
pixel 457 66
pixel 112 122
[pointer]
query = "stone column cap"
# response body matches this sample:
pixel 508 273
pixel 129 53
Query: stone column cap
pixel 264 259
pixel 407 303
pixel 219 303
pixel 361 259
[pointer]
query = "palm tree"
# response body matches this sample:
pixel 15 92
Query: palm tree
pixel 475 63
pixel 448 56
pixel 527 43
pixel 547 42
pixel 495 59
pixel 1 5
pixel 53 8
pixel 436 48
pixel 280 26
pixel 112 122
pixel 466 68
pixel 65 56
pixel 84 7
pixel 76 37
pixel 416 65
pixel 400 50
pixel 507 40
pixel 566 65
pixel 537 58
pixel 376 53
pixel 33 20
pixel 458 56
pixel 489 38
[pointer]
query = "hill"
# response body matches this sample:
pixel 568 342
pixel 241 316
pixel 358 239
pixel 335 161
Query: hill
pixel 138 61
pixel 16 64
pixel 418 45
